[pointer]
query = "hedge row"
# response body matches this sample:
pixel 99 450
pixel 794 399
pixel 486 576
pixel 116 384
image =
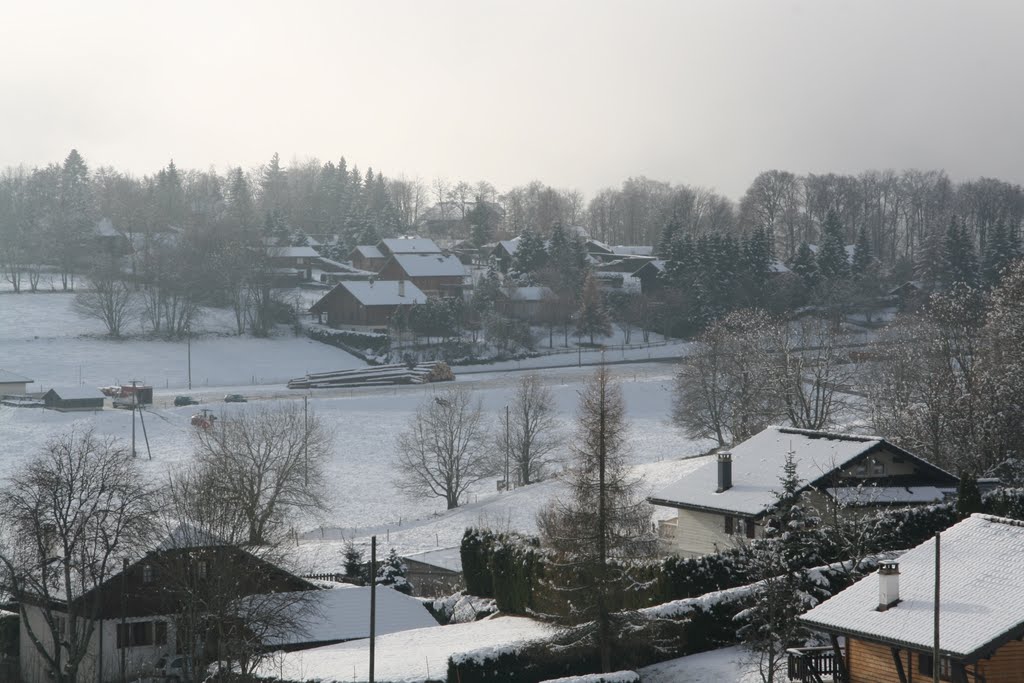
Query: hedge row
pixel 360 344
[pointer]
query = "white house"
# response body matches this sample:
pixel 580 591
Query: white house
pixel 726 499
pixel 12 384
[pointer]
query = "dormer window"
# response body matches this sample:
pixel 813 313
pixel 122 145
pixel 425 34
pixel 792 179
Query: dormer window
pixel 148 573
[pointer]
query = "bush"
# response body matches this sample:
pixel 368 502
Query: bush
pixel 364 345
pixel 475 552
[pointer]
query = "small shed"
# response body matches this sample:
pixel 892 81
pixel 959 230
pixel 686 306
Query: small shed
pixel 435 572
pixel 67 399
pixel 12 384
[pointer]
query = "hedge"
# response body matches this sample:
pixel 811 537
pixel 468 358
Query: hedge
pixel 363 345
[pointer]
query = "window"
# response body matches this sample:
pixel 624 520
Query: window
pixel 861 470
pixel 202 569
pixel 148 574
pixel 877 468
pixel 925 661
pixel 728 524
pixel 751 531
pixel 139 633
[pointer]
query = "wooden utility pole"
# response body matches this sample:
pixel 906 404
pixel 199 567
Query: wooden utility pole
pixel 373 601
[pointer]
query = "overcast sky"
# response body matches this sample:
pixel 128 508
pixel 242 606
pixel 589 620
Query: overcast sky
pixel 579 94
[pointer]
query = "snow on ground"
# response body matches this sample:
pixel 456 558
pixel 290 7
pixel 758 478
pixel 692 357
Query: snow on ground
pixel 406 657
pixel 38 339
pixel 42 337
pixel 727 665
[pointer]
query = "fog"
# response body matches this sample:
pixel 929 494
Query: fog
pixel 581 94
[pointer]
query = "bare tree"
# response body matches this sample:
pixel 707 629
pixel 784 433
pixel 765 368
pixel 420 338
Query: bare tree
pixel 108 298
pixel 265 465
pixel 603 518
pixel 442 452
pixel 531 427
pixel 68 517
pixel 726 387
pixel 813 372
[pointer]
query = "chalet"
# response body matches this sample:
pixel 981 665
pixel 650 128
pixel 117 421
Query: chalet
pixel 12 384
pixel 728 497
pixel 367 257
pixel 522 303
pixel 66 399
pixel 366 304
pixel 434 274
pixel 134 611
pixel 391 246
pixel 649 275
pixel 503 253
pixel 887 619
pixel 303 259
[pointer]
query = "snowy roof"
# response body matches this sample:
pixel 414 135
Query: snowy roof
pixel 379 293
pixel 343 613
pixel 11 378
pixel 79 392
pixel 293 252
pixel 982 593
pixel 778 266
pixel 851 250
pixel 526 293
pixel 876 495
pixel 410 245
pixel 598 245
pixel 105 228
pixel 632 250
pixel 445 558
pixel 757 465
pixel 331 266
pixel 430 265
pixel 656 264
pixel 187 536
pixel 510 245
pixel 368 251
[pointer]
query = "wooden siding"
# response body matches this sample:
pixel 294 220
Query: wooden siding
pixel 700 533
pixel 873 663
pixel 1006 666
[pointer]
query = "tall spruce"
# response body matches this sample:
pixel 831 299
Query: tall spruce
pixel 833 265
pixel 959 263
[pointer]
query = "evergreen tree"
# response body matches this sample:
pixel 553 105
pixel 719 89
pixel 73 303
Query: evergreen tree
pixel 530 256
pixel 483 219
pixel 780 564
pixel 353 558
pixel 669 234
pixel 274 187
pixel 999 253
pixel 756 264
pixel 805 266
pixel 959 264
pixel 928 263
pixel 968 498
pixel 833 265
pixel 391 572
pixel 593 318
pixel 862 254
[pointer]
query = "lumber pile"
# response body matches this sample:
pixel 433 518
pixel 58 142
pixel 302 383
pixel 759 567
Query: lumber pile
pixel 379 376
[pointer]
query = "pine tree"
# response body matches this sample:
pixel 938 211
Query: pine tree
pixel 593 318
pixel 968 498
pixel 959 264
pixel 862 255
pixel 673 230
pixel 780 564
pixel 353 558
pixel 391 572
pixel 833 265
pixel 999 253
pixel 601 522
pixel 805 266
pixel 530 255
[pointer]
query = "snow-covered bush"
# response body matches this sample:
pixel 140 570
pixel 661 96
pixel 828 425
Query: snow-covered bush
pixel 616 677
pixel 460 608
pixel 391 572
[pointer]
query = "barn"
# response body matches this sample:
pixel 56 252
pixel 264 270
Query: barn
pixel 66 399
pixel 12 384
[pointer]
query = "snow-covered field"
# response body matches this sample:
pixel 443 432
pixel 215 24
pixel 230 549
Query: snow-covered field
pixel 406 657
pixel 727 665
pixel 42 337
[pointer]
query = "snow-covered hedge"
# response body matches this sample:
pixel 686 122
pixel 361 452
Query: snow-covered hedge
pixel 616 677
pixel 365 345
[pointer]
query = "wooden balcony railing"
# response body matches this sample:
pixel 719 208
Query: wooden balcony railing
pixel 815 665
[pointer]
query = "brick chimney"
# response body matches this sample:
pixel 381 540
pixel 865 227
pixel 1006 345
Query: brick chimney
pixel 724 471
pixel 888 585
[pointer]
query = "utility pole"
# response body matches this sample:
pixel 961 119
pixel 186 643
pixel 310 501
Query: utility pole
pixel 373 601
pixel 305 436
pixel 133 418
pixel 188 331
pixel 507 487
pixel 936 662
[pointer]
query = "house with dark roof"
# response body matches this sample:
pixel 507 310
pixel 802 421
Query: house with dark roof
pixel 302 259
pixel 366 304
pixel 884 628
pixel 390 246
pixel 522 303
pixel 367 257
pixel 649 275
pixel 434 274
pixel 727 498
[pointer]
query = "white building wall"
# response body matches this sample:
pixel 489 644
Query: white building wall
pixel 700 533
pixel 12 388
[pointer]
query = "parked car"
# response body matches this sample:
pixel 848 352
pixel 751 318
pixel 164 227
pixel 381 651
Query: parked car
pixel 235 398
pixel 185 401
pixel 174 668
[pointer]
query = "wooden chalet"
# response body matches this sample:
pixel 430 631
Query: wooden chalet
pixel 301 259
pixel 434 274
pixel 729 496
pixel 367 257
pixel 66 399
pixel 390 246
pixel 649 275
pixel 523 303
pixel 887 620
pixel 366 304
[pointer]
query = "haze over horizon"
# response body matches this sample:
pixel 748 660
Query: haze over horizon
pixel 579 94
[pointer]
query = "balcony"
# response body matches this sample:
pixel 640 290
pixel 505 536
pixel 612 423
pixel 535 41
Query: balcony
pixel 816 665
